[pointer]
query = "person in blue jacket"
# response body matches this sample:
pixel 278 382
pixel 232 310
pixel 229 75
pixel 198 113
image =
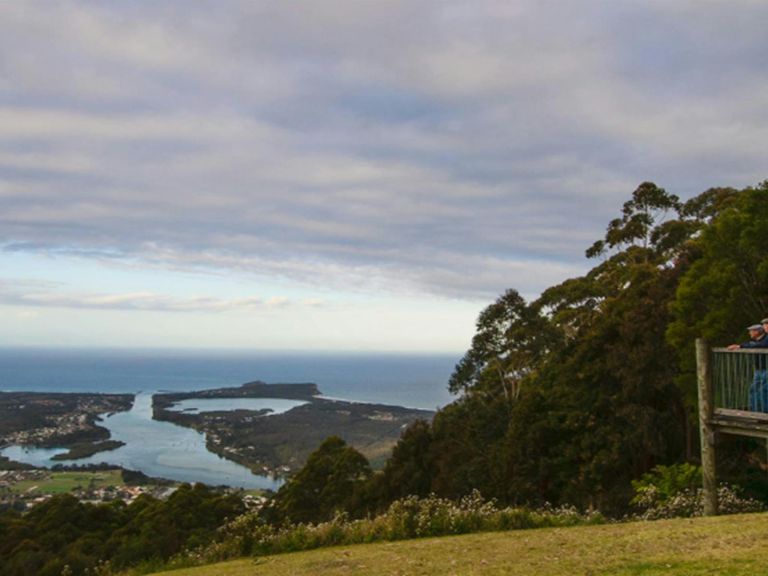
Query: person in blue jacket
pixel 758 390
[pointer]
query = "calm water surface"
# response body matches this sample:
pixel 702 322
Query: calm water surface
pixel 165 450
pixel 198 405
pixel 158 449
pixel 415 380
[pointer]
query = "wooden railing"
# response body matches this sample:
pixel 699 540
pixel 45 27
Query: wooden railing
pixel 740 379
pixel 733 399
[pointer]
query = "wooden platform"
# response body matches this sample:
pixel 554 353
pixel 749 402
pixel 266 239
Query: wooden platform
pixel 740 422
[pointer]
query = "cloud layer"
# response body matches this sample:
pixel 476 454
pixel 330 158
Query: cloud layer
pixel 429 148
pixel 40 294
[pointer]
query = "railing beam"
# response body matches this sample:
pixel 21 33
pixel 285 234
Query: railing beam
pixel 706 430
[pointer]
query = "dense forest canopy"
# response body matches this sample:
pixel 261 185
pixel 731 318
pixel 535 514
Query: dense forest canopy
pixel 64 535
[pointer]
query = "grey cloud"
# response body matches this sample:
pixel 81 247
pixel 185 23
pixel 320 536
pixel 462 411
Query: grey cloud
pixel 38 293
pixel 428 146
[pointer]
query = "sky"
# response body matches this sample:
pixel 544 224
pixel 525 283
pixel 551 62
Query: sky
pixel 344 175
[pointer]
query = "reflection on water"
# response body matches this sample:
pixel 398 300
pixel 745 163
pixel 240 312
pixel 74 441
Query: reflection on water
pixel 159 449
pixel 197 405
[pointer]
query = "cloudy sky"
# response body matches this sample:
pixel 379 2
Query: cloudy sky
pixel 344 175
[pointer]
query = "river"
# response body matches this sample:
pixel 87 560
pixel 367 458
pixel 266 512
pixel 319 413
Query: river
pixel 159 449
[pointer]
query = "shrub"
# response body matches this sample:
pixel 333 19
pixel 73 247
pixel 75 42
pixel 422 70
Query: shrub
pixel 665 482
pixel 409 517
pixel 675 492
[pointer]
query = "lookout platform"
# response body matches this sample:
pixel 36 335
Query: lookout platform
pixel 733 399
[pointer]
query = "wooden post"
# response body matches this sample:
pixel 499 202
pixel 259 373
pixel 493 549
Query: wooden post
pixel 706 406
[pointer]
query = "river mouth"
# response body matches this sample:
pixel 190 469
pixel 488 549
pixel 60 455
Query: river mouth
pixel 158 449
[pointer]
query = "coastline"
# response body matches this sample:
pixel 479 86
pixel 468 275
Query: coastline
pixel 268 444
pixel 60 419
pixel 278 444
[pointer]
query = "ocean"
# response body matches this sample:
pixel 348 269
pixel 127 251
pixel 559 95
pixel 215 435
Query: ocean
pixel 411 380
pixel 177 453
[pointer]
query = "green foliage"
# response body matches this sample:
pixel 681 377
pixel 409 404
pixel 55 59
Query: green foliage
pixel 332 480
pixel 639 221
pixel 571 397
pixel 467 450
pixel 689 503
pixel 666 481
pixel 408 470
pixel 675 492
pixel 64 532
pixel 512 336
pixel 726 288
pixel 611 410
pixel 406 518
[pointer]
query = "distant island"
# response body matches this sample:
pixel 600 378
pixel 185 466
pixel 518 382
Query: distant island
pixel 278 444
pixel 257 389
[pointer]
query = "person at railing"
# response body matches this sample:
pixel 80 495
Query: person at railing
pixel 758 337
pixel 758 390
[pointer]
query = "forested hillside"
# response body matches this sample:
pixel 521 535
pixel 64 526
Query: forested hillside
pixel 570 397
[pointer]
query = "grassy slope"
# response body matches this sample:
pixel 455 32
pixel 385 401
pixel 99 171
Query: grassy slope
pixel 724 546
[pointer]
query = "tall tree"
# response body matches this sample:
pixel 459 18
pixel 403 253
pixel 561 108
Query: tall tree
pixel 592 402
pixel 512 337
pixel 570 397
pixel 638 226
pixel 408 470
pixel 604 408
pixel 727 287
pixel 332 480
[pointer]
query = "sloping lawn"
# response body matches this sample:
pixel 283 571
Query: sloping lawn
pixel 61 482
pixel 723 546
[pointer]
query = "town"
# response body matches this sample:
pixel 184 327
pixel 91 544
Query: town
pixel 23 489
pixel 56 419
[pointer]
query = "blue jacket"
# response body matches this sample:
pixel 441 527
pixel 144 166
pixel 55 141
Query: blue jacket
pixel 761 342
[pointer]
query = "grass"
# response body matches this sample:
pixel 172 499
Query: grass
pixel 62 482
pixel 722 546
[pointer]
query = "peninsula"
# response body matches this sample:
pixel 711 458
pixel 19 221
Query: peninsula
pixel 266 440
pixel 50 419
pixel 278 444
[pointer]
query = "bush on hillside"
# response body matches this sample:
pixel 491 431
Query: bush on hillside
pixel 675 492
pixel 689 503
pixel 665 482
pixel 409 517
